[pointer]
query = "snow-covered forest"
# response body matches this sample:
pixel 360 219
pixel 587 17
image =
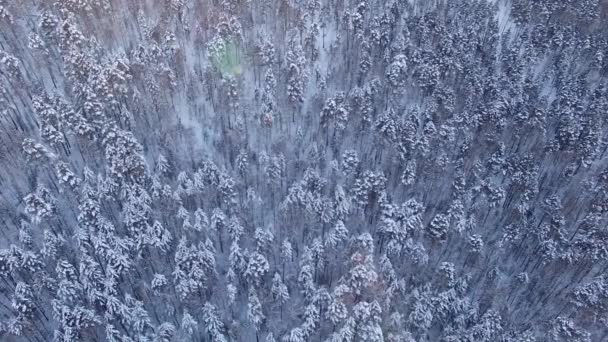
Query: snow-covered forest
pixel 304 170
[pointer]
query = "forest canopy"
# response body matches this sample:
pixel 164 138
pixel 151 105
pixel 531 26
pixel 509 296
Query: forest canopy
pixel 304 170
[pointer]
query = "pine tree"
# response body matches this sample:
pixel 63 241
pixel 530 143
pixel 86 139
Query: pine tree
pixel 279 291
pixel 255 315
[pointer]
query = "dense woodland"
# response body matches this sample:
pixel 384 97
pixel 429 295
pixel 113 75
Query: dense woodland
pixel 304 170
